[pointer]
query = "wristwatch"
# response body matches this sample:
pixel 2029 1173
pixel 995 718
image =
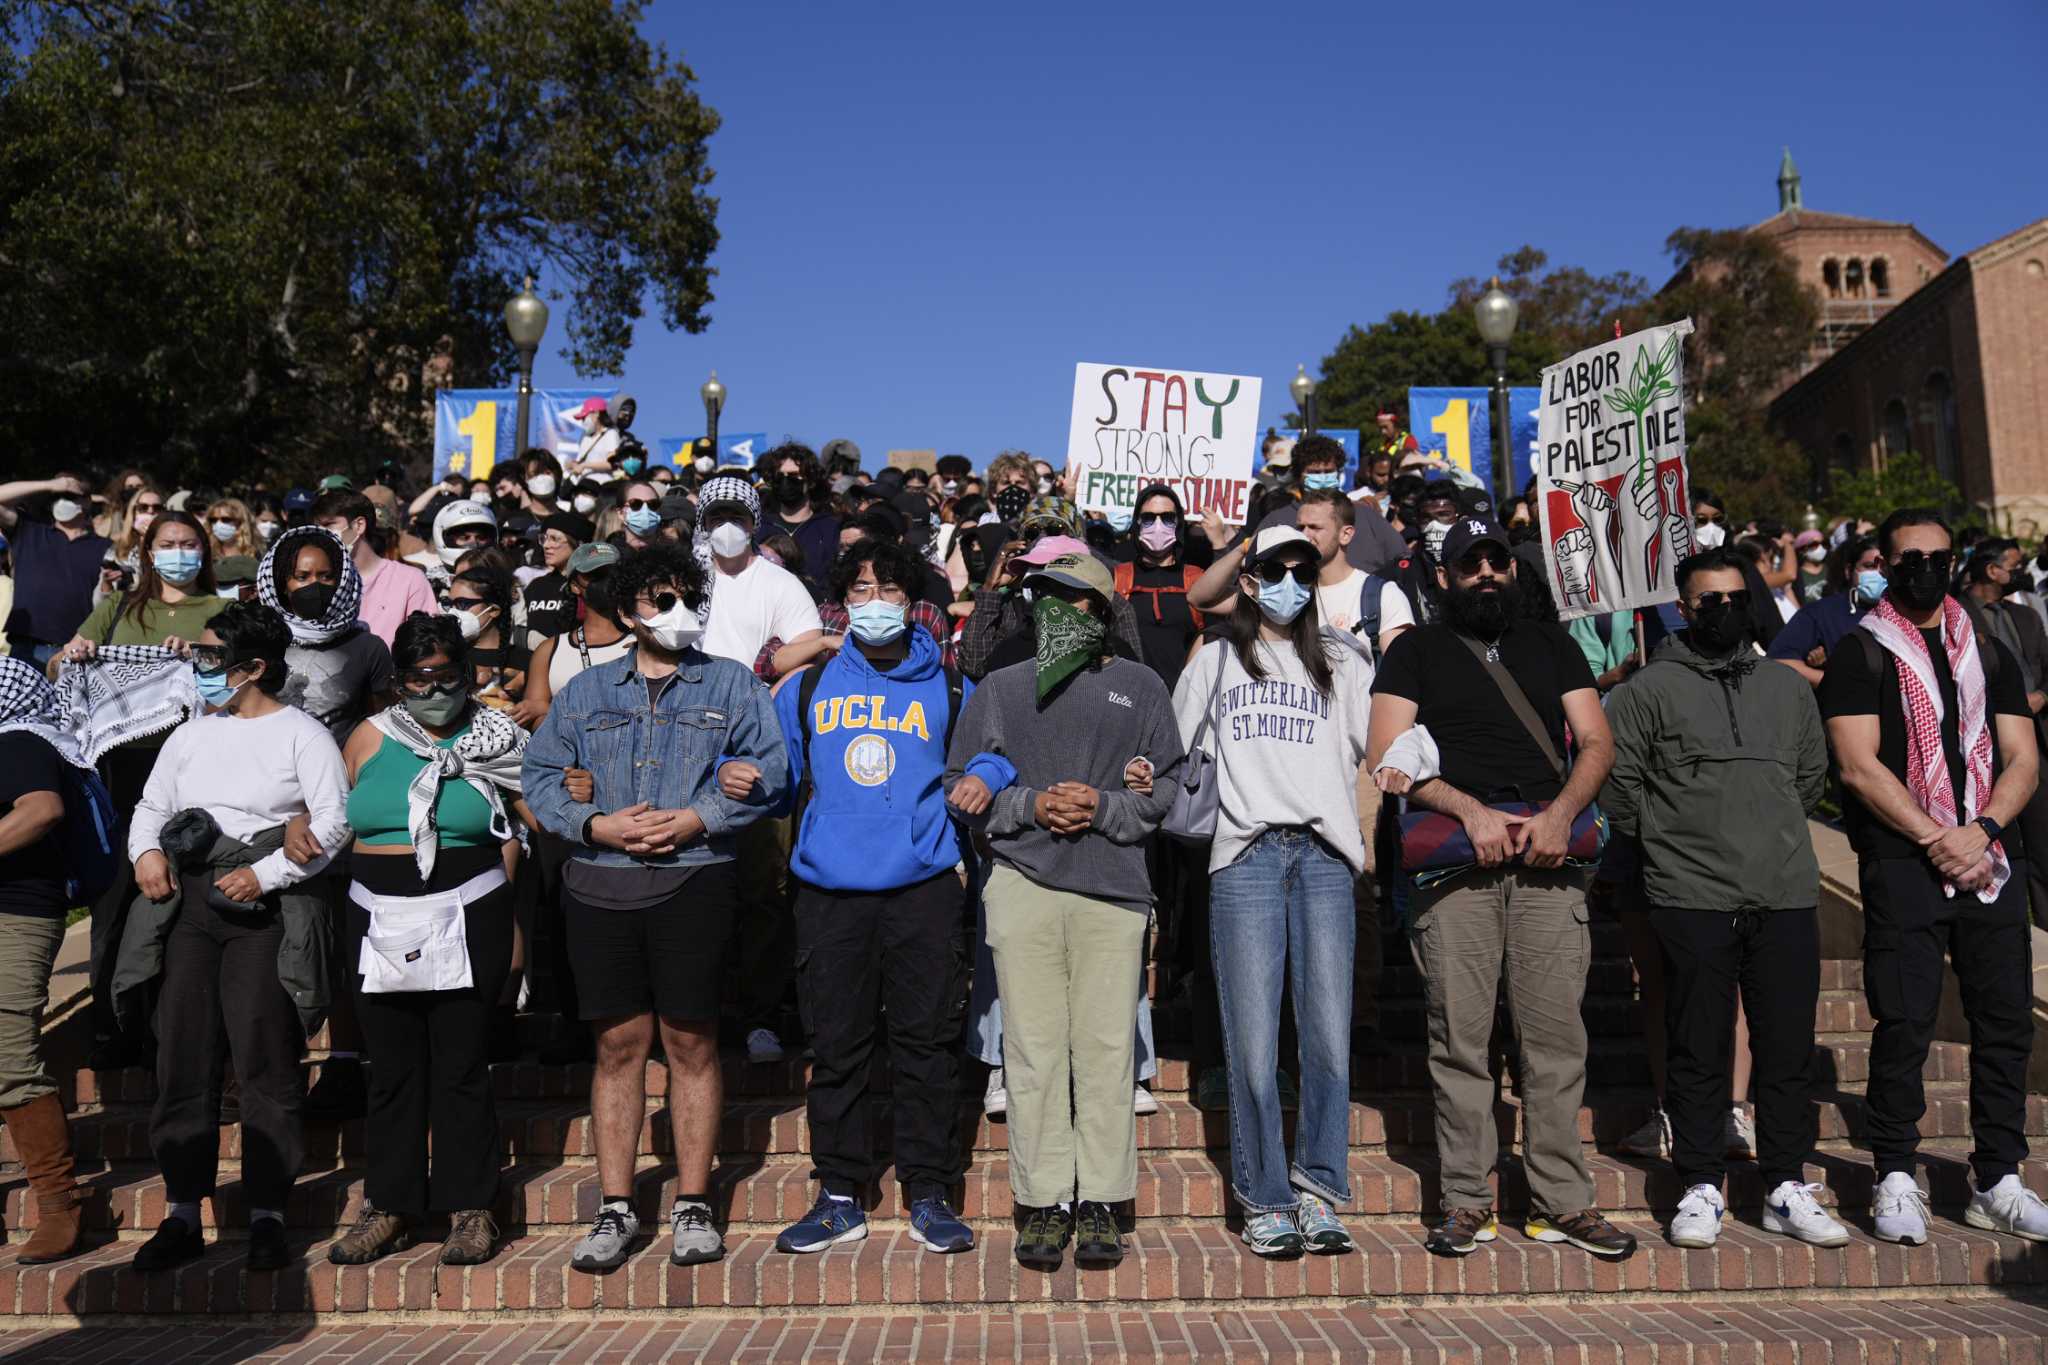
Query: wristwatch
pixel 1991 827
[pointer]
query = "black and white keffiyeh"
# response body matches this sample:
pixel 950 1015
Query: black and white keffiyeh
pixel 726 488
pixel 29 703
pixel 342 611
pixel 487 756
pixel 123 693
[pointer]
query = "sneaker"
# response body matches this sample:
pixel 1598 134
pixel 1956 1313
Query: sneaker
pixel 1460 1232
pixel 830 1222
pixel 1042 1240
pixel 1652 1139
pixel 175 1243
pixel 1098 1242
pixel 375 1235
pixel 764 1046
pixel 1739 1136
pixel 1698 1221
pixel 1898 1210
pixel 268 1249
pixel 1319 1226
pixel 1792 1208
pixel 995 1101
pixel 1212 1089
pixel 1274 1235
pixel 610 1237
pixel 472 1237
pixel 935 1227
pixel 2009 1206
pixel 1587 1230
pixel 696 1241
pixel 1142 1101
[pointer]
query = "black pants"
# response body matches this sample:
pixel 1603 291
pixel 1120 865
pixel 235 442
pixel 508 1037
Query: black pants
pixel 1773 957
pixel 1907 925
pixel 125 771
pixel 858 954
pixel 430 1050
pixel 221 998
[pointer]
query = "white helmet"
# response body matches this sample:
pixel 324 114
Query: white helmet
pixel 461 512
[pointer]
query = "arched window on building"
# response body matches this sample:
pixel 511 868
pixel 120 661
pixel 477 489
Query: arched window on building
pixel 1852 278
pixel 1938 415
pixel 1897 429
pixel 1831 277
pixel 1881 277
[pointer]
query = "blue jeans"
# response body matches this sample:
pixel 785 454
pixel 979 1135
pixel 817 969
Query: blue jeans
pixel 1285 905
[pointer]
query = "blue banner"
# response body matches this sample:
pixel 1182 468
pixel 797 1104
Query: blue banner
pixel 1347 439
pixel 473 428
pixel 734 448
pixel 1458 425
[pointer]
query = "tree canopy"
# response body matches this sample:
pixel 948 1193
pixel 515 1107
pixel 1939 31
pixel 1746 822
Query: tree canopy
pixel 236 232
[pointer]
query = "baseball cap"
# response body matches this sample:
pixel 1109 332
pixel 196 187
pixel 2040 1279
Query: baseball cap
pixel 590 405
pixel 1467 532
pixel 1806 539
pixel 233 569
pixel 334 481
pixel 676 506
pixel 1281 456
pixel 1274 539
pixel 592 557
pixel 1050 548
pixel 1083 571
pixel 299 500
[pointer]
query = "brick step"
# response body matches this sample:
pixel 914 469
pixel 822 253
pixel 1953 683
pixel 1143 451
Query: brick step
pixel 1983 1330
pixel 1166 1264
pixel 1172 1185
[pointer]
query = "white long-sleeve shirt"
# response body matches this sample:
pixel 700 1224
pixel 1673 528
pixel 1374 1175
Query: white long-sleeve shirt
pixel 249 775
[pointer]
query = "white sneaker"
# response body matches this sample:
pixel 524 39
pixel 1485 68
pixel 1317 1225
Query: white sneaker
pixel 1792 1208
pixel 1652 1139
pixel 1898 1210
pixel 1698 1221
pixel 2009 1206
pixel 764 1046
pixel 995 1100
pixel 1142 1101
pixel 1740 1138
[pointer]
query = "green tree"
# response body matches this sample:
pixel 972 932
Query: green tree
pixel 236 231
pixel 1905 480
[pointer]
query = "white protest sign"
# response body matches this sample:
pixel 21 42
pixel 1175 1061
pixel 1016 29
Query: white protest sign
pixel 1194 432
pixel 1613 491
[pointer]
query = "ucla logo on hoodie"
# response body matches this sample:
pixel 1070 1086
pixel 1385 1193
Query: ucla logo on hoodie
pixel 870 758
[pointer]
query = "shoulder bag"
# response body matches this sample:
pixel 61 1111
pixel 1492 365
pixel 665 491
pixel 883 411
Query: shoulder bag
pixel 1192 817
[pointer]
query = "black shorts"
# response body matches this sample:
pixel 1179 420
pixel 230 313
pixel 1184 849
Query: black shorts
pixel 668 958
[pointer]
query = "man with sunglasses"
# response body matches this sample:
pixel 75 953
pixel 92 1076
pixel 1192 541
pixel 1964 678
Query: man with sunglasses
pixel 1469 679
pixel 1936 748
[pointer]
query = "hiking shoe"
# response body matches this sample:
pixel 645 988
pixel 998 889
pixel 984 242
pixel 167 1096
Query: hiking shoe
pixel 1142 1101
pixel 175 1243
pixel 830 1222
pixel 1739 1135
pixel 1698 1221
pixel 1212 1089
pixel 375 1234
pixel 1652 1139
pixel 764 1046
pixel 995 1100
pixel 611 1236
pixel 1898 1210
pixel 696 1241
pixel 1319 1226
pixel 935 1227
pixel 1587 1230
pixel 1792 1208
pixel 268 1249
pixel 1098 1242
pixel 2009 1206
pixel 1042 1240
pixel 1273 1235
pixel 1460 1232
pixel 472 1237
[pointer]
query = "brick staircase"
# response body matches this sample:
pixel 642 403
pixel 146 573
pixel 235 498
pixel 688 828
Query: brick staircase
pixel 1187 1288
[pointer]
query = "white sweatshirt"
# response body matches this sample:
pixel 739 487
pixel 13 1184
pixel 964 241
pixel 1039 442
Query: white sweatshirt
pixel 1285 754
pixel 249 775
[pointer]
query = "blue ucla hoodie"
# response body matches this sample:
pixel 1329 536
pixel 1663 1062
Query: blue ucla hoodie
pixel 877 818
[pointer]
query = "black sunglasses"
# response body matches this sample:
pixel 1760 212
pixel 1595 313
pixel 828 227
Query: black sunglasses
pixel 664 602
pixel 1940 560
pixel 1158 519
pixel 1739 599
pixel 1273 570
pixel 1496 560
pixel 643 504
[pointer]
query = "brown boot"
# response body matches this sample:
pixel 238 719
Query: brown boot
pixel 43 1141
pixel 472 1237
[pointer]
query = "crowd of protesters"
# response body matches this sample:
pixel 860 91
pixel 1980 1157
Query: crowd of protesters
pixel 697 755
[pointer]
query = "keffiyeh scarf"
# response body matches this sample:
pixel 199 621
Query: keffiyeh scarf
pixel 123 693
pixel 726 488
pixel 1927 775
pixel 487 756
pixel 29 703
pixel 341 617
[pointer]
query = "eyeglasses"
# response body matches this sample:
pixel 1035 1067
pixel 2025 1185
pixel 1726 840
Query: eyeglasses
pixel 1739 600
pixel 1941 561
pixel 1273 570
pixel 555 540
pixel 421 680
pixel 860 594
pixel 1158 519
pixel 1496 560
pixel 643 504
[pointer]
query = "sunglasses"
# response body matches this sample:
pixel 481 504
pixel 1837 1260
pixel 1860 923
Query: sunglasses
pixel 1739 600
pixel 1273 570
pixel 430 679
pixel 210 658
pixel 1939 560
pixel 664 602
pixel 1158 519
pixel 1496 560
pixel 643 504
pixel 449 603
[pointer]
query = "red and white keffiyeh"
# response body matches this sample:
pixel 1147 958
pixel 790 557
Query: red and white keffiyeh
pixel 1927 776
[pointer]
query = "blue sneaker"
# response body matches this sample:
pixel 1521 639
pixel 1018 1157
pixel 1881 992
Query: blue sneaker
pixel 935 1227
pixel 830 1222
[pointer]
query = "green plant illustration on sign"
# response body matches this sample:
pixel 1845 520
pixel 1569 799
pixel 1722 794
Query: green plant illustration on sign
pixel 1648 381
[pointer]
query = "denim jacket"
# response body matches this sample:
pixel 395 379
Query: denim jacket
pixel 667 757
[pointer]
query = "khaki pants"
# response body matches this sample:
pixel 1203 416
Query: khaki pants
pixel 1464 931
pixel 1069 969
pixel 28 950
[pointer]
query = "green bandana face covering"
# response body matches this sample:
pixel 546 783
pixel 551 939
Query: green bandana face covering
pixel 1069 639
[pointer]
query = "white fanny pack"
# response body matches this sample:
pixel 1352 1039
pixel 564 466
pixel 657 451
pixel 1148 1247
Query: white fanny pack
pixel 419 943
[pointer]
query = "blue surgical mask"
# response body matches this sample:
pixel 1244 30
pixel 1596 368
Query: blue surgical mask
pixel 1283 601
pixel 1333 479
pixel 1870 585
pixel 1120 520
pixel 176 567
pixel 214 688
pixel 632 465
pixel 643 521
pixel 878 623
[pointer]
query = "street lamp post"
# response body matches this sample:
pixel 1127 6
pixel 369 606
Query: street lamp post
pixel 713 394
pixel 1304 390
pixel 1495 313
pixel 526 321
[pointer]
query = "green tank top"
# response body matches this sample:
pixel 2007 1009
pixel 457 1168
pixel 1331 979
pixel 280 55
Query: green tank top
pixel 377 806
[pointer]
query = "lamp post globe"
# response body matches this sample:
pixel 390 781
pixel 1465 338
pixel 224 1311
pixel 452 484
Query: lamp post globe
pixel 1304 390
pixel 1495 315
pixel 713 394
pixel 526 322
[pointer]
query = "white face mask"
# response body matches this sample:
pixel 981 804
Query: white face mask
pixel 586 503
pixel 268 530
pixel 1817 555
pixel 467 622
pixel 675 629
pixel 729 540
pixel 65 509
pixel 590 426
pixel 1709 536
pixel 541 485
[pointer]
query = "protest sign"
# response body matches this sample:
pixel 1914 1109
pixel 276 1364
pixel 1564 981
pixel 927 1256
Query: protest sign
pixel 926 460
pixel 1613 491
pixel 1194 432
pixel 1458 424
pixel 473 427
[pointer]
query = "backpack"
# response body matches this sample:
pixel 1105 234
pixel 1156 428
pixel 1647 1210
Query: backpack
pixel 807 688
pixel 1876 656
pixel 90 860
pixel 1368 626
pixel 1126 579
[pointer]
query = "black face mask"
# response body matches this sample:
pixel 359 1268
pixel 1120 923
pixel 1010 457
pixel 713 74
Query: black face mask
pixel 310 603
pixel 1921 587
pixel 1011 502
pixel 1720 629
pixel 789 490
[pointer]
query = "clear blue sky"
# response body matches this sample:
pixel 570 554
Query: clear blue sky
pixel 931 212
